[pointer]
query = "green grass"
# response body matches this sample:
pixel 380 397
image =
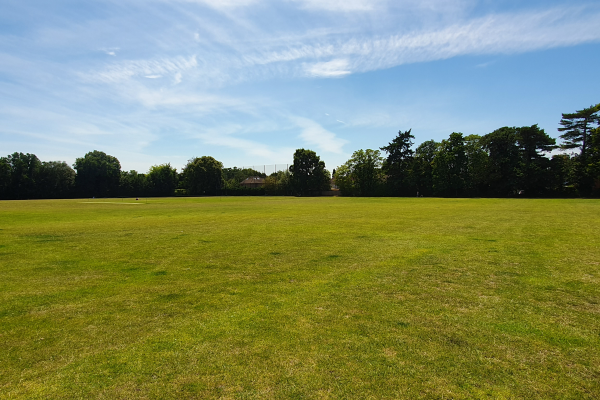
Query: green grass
pixel 300 298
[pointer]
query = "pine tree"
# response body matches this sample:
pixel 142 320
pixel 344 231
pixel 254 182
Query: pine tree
pixel 576 127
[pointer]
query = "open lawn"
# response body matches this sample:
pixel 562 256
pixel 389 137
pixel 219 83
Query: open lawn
pixel 273 297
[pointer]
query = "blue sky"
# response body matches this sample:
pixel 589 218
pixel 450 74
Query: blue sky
pixel 250 81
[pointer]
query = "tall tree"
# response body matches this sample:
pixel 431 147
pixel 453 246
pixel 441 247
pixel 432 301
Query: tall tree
pixel 563 175
pixel 5 178
pixel 535 166
pixel 576 127
pixel 477 159
pixel 423 167
pixel 24 176
pixel 503 162
pixel 399 162
pixel 308 173
pixel 593 166
pixel 361 175
pixel 202 176
pixel 98 174
pixel 162 180
pixel 450 167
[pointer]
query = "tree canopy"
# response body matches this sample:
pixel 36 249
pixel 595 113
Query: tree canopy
pixel 21 171
pixel 450 166
pixel 162 180
pixel 362 174
pixel 98 174
pixel 308 173
pixel 399 162
pixel 202 176
pixel 576 128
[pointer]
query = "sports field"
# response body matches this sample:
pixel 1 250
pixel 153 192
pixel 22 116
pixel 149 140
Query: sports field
pixel 276 298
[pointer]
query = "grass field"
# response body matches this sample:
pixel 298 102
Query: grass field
pixel 267 297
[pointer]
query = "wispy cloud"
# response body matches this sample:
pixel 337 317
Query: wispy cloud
pixel 314 134
pixel 339 55
pixel 494 34
pixel 228 136
pixel 153 68
pixel 340 5
pixel 329 69
pixel 111 51
pixel 182 100
pixel 220 4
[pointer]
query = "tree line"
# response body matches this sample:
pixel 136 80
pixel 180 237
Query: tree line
pixel 97 174
pixel 509 161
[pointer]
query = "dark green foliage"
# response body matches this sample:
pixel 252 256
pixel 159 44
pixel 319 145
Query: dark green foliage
pixel 239 174
pixel 477 159
pixel 133 184
pixel 535 167
pixel 278 183
pixel 576 127
pixel 593 164
pixel 5 178
pixel 398 164
pixel 423 167
pixel 308 173
pixel 22 171
pixel 202 176
pixel 98 174
pixel 362 174
pixel 162 180
pixel 450 167
pixel 563 176
pixel 232 177
pixel 24 176
pixel 503 161
pixel 56 180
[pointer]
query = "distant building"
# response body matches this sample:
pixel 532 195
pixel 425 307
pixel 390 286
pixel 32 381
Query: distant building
pixel 253 182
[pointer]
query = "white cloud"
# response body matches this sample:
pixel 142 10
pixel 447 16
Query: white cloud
pixel 181 99
pixel 224 137
pixel 329 69
pixel 247 51
pixel 111 51
pixel 178 78
pixel 493 34
pixel 340 5
pixel 222 4
pixel 315 134
pixel 152 68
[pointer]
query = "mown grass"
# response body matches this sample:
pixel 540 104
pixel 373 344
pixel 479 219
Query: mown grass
pixel 300 298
